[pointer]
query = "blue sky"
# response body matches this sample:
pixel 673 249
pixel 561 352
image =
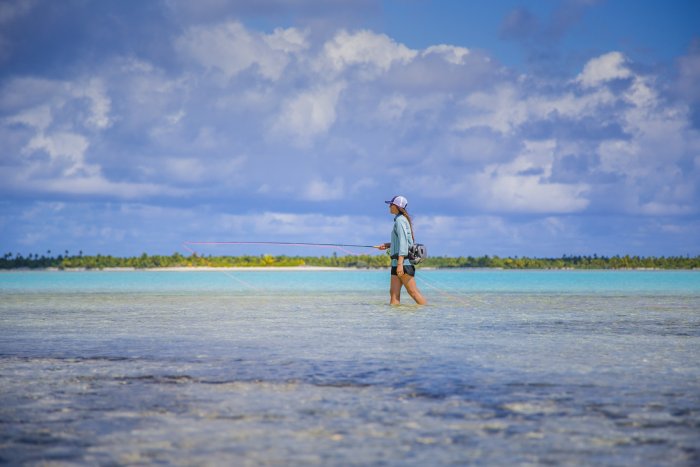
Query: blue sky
pixel 535 128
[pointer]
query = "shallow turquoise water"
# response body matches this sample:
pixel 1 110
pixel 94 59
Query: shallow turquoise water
pixel 594 282
pixel 313 367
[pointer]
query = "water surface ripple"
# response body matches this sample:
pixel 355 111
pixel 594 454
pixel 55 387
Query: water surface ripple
pixel 314 368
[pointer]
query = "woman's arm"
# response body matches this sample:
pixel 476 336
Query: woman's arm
pixel 399 267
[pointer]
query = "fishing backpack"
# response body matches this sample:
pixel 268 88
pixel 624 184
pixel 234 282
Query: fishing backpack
pixel 417 253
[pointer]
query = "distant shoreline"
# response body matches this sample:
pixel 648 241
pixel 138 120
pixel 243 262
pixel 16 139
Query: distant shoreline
pixel 313 268
pixel 178 262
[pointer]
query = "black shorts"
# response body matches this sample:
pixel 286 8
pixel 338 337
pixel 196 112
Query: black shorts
pixel 410 270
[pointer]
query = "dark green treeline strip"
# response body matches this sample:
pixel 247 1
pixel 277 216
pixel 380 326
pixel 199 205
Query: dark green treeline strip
pixel 35 261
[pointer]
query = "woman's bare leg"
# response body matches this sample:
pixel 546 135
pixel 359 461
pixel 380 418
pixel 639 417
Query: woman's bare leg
pixel 412 289
pixel 395 290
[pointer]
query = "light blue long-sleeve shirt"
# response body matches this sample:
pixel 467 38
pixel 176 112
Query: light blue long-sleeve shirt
pixel 401 239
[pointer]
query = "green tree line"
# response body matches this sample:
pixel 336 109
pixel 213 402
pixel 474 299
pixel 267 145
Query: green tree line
pixel 145 261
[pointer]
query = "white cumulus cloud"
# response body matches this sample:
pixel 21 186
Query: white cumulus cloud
pixel 65 149
pixel 450 53
pixel 231 48
pixel 37 117
pixel 372 53
pixel 522 185
pixel 607 67
pixel 309 113
pixel 100 103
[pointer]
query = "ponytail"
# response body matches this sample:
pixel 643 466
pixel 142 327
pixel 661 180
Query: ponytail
pixel 405 214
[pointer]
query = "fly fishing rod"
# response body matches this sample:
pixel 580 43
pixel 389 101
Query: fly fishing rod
pixel 282 243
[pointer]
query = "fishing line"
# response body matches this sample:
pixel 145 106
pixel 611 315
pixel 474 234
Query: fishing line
pixel 442 291
pixel 456 296
pixel 452 294
pixel 238 279
pixel 338 246
pixel 227 273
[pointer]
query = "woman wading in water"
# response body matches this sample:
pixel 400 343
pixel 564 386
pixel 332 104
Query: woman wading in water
pixel 402 271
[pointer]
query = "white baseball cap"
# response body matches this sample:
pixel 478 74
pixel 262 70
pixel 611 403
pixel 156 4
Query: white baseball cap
pixel 399 201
